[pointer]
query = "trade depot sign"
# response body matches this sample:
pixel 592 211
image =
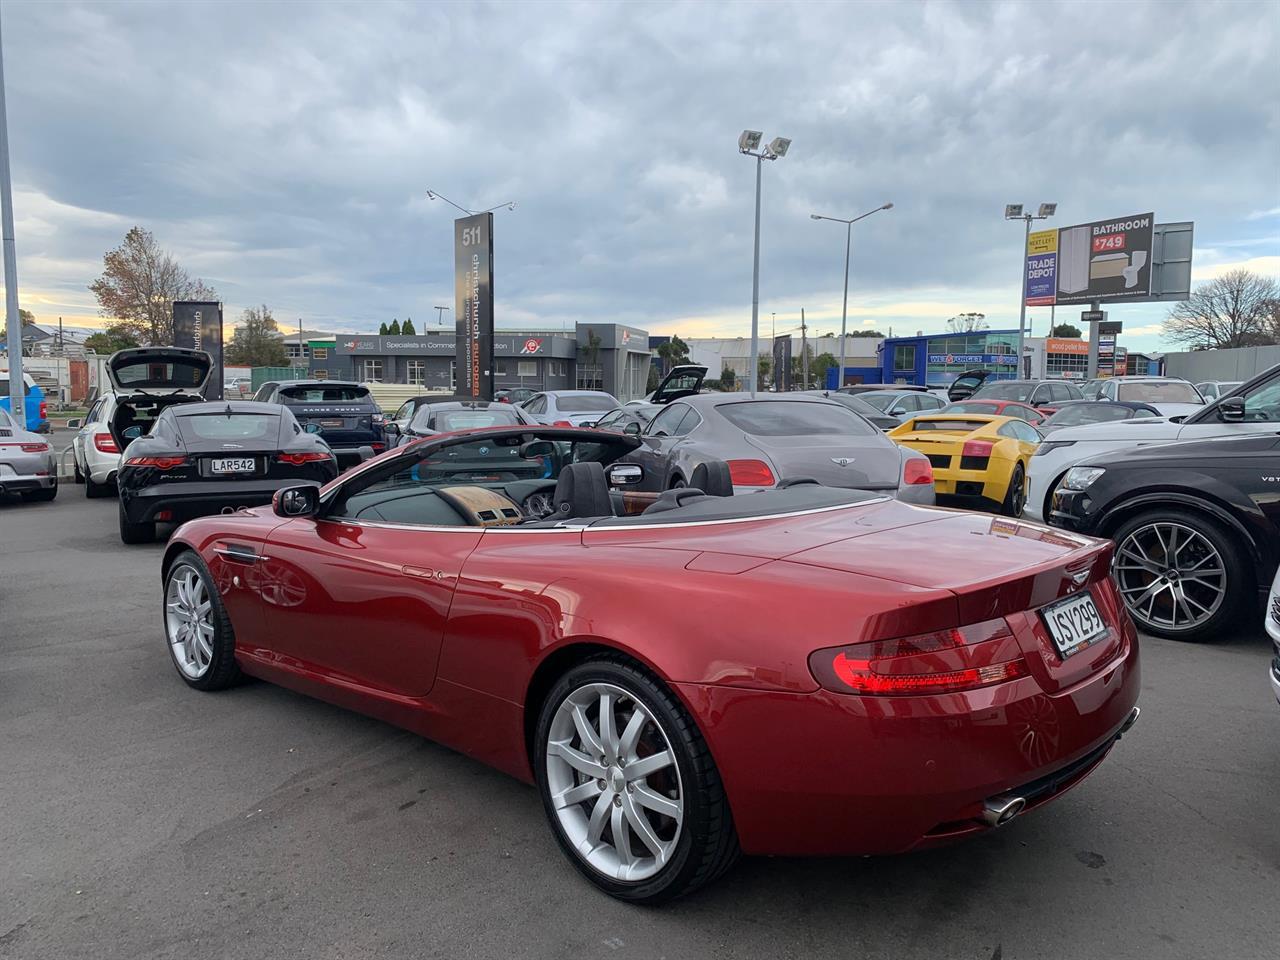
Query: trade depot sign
pixel 1106 261
pixel 1042 268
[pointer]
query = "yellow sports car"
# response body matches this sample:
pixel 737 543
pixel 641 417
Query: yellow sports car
pixel 978 461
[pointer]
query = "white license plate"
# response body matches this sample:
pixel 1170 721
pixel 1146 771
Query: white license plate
pixel 1074 623
pixel 234 465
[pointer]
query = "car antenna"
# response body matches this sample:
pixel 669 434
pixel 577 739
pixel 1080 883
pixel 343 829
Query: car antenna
pixel 228 410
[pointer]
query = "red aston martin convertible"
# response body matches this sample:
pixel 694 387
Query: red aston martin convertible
pixel 683 675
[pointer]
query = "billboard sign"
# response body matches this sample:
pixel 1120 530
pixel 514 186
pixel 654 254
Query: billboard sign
pixel 197 325
pixel 975 359
pixel 1042 268
pixel 1064 345
pixel 473 295
pixel 1107 260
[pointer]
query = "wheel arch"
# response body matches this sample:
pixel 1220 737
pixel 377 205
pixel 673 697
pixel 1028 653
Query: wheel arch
pixel 1125 510
pixel 171 552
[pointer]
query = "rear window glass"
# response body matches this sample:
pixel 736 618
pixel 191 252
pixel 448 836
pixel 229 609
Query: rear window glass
pixel 782 418
pixel 880 401
pixel 176 374
pixel 1168 392
pixel 952 426
pixel 317 394
pixel 238 426
pixel 585 404
pixel 1091 413
pixel 495 416
pixel 1006 391
pixel 988 408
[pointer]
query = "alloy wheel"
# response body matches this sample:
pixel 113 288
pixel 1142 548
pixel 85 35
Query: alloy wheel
pixel 1170 575
pixel 188 617
pixel 614 782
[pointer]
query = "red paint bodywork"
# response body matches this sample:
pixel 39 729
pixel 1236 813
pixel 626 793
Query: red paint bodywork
pixel 442 631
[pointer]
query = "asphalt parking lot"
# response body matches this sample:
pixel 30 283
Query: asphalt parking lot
pixel 142 819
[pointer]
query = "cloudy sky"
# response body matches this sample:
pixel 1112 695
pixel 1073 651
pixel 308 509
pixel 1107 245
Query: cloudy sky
pixel 283 151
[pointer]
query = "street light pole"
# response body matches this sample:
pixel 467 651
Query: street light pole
pixel 17 386
pixel 749 144
pixel 848 241
pixel 1013 211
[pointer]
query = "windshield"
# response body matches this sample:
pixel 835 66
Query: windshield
pixel 783 418
pixel 880 401
pixel 500 459
pixel 1159 391
pixel 497 415
pixel 316 394
pixel 238 426
pixel 1010 390
pixel 857 404
pixel 585 403
pixel 1091 413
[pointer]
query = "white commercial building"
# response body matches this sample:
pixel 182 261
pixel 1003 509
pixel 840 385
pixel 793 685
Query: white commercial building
pixel 716 353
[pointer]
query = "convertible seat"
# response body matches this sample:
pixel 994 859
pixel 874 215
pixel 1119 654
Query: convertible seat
pixel 581 491
pixel 712 477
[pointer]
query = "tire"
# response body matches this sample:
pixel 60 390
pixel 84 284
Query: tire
pixel 78 473
pixel 1215 596
pixel 1015 500
pixel 96 491
pixel 210 662
pixel 135 532
pixel 677 482
pixel 40 496
pixel 696 848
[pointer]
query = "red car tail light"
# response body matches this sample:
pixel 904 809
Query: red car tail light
pixel 160 463
pixel 105 443
pixel 946 661
pixel 977 448
pixel 34 447
pixel 298 459
pixel 917 471
pixel 750 473
pixel 44 410
pixel 562 423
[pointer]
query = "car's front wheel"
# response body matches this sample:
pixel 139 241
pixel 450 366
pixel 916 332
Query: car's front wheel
pixel 629 785
pixel 196 627
pixel 1181 575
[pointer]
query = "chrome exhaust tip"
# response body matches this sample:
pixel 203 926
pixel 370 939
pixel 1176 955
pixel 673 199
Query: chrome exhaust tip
pixel 1129 722
pixel 997 811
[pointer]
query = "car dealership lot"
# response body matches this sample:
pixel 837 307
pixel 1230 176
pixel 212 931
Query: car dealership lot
pixel 144 820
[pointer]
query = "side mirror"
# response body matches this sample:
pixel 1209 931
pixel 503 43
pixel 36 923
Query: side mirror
pixel 624 474
pixel 533 449
pixel 73 423
pixel 133 433
pixel 587 423
pixel 312 428
pixel 366 453
pixel 1231 410
pixel 300 501
pixel 391 429
pixel 632 428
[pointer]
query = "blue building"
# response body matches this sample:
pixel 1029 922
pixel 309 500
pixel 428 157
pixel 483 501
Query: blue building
pixel 937 359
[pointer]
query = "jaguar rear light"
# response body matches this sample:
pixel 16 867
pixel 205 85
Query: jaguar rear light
pixel 917 471
pixel 298 459
pixel 105 443
pixel 750 473
pixel 160 463
pixel 945 661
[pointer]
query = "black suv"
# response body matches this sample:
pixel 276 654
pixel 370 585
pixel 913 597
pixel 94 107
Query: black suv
pixel 1196 526
pixel 344 414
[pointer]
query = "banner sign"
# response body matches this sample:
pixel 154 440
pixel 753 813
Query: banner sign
pixel 782 363
pixel 1061 345
pixel 1107 260
pixel 197 325
pixel 1042 268
pixel 473 295
pixel 975 359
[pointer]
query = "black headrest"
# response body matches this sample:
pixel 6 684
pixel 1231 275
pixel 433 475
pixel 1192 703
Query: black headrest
pixel 582 491
pixel 674 500
pixel 712 477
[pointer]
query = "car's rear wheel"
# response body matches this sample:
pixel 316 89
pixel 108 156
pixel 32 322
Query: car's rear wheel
pixel 197 630
pixel 629 785
pixel 78 473
pixel 1015 501
pixel 94 490
pixel 1181 575
pixel 131 532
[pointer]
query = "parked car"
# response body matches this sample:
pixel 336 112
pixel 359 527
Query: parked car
pixel 683 380
pixel 1272 620
pixel 902 404
pixel 569 408
pixel 777 438
pixel 1076 413
pixel 1044 395
pixel 1091 389
pixel 964 386
pixel 629 418
pixel 516 642
pixel 998 408
pixel 1196 526
pixel 1171 396
pixel 404 413
pixel 237 388
pixel 869 413
pixel 28 465
pixel 1213 389
pixel 344 413
pixel 445 414
pixel 978 461
pixel 1254 407
pixel 513 395
pixel 35 407
pixel 142 383
pixel 215 456
pixel 857 389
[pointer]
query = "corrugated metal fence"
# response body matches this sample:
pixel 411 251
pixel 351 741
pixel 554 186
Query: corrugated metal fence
pixel 1200 365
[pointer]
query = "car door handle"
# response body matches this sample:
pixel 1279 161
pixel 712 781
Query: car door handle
pixel 423 573
pixel 239 553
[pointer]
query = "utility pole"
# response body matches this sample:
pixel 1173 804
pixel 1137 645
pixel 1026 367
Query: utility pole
pixel 804 353
pixel 440 315
pixel 301 356
pixel 17 385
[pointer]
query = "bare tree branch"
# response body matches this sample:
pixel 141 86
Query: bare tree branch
pixel 1236 309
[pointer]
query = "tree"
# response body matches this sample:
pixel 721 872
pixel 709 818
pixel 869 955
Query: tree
pixel 967 323
pixel 394 329
pixel 138 285
pixel 1068 331
pixel 406 328
pixel 27 317
pixel 257 341
pixel 382 329
pixel 764 365
pixel 728 379
pixel 820 365
pixel 673 353
pixel 873 333
pixel 116 337
pixel 654 379
pixel 1236 309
